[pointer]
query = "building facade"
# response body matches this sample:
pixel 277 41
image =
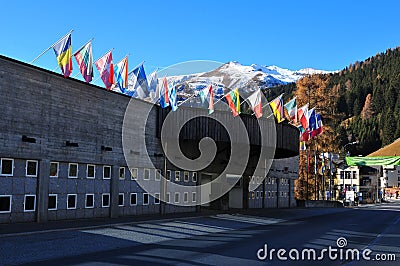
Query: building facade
pixel 62 155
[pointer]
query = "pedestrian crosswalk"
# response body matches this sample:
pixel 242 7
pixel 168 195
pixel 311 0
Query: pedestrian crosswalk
pixel 156 232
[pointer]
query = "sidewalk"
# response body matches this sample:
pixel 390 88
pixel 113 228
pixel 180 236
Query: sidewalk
pixel 66 225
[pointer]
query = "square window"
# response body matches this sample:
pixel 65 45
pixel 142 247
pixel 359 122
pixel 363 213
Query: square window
pixel 194 197
pixel 106 172
pixel 158 174
pixel 177 176
pixel 52 204
pixel 31 168
pixel 133 199
pixel 157 198
pixel 54 169
pixel 105 200
pixel 186 176
pixel 73 170
pixel 185 197
pixel 145 198
pixel 5 203
pixel 121 199
pixel 29 203
pixel 90 171
pixel 177 197
pixel 134 173
pixel 89 201
pixel 7 167
pixel 71 201
pixel 169 175
pixel 122 173
pixel 146 174
pixel 194 177
pixel 168 199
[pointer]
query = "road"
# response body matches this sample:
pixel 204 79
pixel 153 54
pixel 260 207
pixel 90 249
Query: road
pixel 219 239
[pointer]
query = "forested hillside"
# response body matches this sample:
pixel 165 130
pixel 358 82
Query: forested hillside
pixel 367 107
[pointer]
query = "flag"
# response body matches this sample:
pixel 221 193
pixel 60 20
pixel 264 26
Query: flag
pixel 304 134
pixel 255 102
pixel 208 94
pixel 322 169
pixel 63 51
pixel 84 58
pixel 315 164
pixel 121 74
pixel 233 100
pixel 277 108
pixel 164 94
pixel 106 69
pixel 153 86
pixel 302 146
pixel 173 99
pixel 319 127
pixel 291 107
pixel 312 122
pixel 141 80
pixel 137 83
pixel 302 116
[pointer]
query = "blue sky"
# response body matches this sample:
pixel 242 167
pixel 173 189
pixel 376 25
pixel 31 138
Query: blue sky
pixel 326 35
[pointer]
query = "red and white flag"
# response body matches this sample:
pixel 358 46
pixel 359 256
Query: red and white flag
pixel 302 116
pixel 255 102
pixel 106 69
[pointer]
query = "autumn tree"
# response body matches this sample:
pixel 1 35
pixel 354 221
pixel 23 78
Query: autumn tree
pixel 315 91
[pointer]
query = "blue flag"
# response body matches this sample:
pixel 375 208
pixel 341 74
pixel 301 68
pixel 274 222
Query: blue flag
pixel 173 100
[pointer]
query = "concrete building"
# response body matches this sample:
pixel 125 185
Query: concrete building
pixel 62 155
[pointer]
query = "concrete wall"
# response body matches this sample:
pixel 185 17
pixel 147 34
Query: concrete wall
pixel 278 188
pixel 50 111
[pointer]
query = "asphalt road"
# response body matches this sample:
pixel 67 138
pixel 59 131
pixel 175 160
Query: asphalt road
pixel 220 239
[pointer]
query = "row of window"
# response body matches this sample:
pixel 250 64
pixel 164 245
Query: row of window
pixel 268 194
pixel 7 169
pixel 271 180
pixel 348 175
pixel 30 200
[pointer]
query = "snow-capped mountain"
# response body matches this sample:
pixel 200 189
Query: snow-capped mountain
pixel 235 75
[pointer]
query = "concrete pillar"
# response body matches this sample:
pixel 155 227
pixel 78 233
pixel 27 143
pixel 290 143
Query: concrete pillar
pixel 43 190
pixel 114 191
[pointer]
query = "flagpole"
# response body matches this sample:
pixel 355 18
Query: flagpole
pixel 45 51
pixel 77 51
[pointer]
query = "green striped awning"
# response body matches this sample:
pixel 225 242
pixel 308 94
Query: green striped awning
pixel 373 161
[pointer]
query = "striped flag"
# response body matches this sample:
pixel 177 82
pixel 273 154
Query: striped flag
pixel 106 69
pixel 291 107
pixel 233 100
pixel 84 58
pixel 277 108
pixel 63 51
pixel 302 115
pixel 121 74
pixel 164 93
pixel 255 102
